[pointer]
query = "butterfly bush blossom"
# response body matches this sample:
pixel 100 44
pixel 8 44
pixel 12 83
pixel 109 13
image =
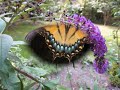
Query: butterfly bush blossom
pixel 95 39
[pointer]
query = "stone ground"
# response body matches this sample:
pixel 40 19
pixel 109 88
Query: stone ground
pixel 82 77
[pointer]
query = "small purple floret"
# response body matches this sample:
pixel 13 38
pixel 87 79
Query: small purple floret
pixel 100 65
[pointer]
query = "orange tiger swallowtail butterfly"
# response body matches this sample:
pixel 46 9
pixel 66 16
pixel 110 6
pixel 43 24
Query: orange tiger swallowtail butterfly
pixel 57 41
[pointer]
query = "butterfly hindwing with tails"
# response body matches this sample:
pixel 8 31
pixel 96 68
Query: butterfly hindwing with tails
pixel 57 41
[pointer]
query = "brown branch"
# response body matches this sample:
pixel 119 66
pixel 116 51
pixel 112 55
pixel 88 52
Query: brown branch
pixel 26 74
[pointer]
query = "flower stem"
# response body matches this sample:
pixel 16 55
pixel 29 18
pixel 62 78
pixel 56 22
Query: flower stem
pixel 26 74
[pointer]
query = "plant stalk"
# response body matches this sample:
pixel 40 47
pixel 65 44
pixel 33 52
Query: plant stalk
pixel 26 74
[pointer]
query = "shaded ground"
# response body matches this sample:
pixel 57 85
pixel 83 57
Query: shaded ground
pixel 84 77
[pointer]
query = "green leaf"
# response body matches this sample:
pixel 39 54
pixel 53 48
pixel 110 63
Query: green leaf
pixel 29 86
pixel 51 84
pixel 8 76
pixel 45 88
pixel 37 71
pixel 118 71
pixel 2 25
pixel 5 44
pixel 13 57
pixel 96 86
pixel 102 88
pixel 81 88
pixel 59 87
pixel 68 76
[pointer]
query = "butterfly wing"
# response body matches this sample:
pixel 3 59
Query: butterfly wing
pixel 59 39
pixel 59 33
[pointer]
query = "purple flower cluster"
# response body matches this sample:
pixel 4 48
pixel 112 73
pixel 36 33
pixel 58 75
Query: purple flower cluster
pixel 100 65
pixel 95 39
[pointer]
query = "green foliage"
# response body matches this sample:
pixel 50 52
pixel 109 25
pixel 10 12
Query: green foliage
pixel 21 54
pixel 2 25
pixel 9 79
pixel 81 88
pixel 5 44
pixel 116 12
pixel 8 76
pixel 97 87
pixel 13 11
pixel 90 9
pixel 102 10
pixel 53 85
pixel 112 53
pixel 115 74
pixel 50 85
pixel 59 87
pixel 31 68
pixel 68 77
pixel 35 70
pixel 28 87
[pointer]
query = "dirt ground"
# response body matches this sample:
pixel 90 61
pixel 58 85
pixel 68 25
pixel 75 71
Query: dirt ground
pixel 84 77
